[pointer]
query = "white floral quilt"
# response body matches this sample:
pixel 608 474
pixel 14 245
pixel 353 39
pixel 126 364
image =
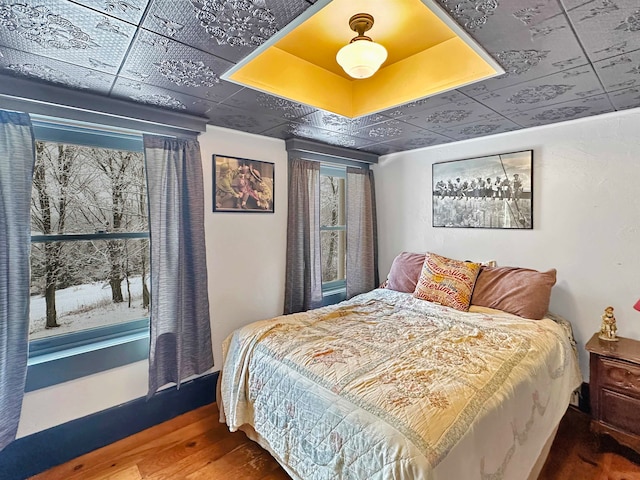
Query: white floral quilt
pixel 386 386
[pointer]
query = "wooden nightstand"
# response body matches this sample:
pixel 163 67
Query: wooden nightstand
pixel 614 384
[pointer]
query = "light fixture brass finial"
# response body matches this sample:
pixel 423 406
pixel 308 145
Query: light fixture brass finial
pixel 360 23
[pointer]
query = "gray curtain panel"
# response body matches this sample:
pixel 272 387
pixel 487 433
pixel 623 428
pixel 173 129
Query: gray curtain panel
pixel 362 241
pixel 303 282
pixel 180 326
pixel 17 158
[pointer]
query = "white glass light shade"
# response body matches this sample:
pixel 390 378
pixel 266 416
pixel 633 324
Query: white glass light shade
pixel 362 58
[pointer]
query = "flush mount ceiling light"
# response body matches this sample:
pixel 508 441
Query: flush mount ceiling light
pixel 428 53
pixel 362 57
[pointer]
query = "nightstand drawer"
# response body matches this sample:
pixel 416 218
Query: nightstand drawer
pixel 620 411
pixel 620 376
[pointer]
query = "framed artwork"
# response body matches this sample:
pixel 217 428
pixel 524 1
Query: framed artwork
pixel 242 185
pixel 495 191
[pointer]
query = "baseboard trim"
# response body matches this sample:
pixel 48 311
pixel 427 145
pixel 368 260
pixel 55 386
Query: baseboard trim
pixel 36 453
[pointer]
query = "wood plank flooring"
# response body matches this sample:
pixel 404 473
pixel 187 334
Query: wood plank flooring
pixel 195 446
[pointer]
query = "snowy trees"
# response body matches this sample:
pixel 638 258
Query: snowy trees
pixel 332 230
pixel 89 216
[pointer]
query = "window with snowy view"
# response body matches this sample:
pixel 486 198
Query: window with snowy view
pixel 332 226
pixel 89 245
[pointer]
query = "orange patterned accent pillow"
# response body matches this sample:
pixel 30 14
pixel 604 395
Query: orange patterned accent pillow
pixel 446 281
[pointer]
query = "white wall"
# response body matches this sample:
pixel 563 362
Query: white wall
pixel 586 215
pixel 245 251
pixel 246 263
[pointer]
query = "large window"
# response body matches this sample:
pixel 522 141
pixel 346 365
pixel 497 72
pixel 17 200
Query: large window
pixel 333 227
pixel 89 244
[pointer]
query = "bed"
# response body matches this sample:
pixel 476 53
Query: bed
pixel 389 386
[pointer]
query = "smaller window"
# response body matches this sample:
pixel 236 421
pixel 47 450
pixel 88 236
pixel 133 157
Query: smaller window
pixel 333 232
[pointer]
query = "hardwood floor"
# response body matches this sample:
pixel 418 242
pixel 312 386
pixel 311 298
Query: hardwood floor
pixel 196 446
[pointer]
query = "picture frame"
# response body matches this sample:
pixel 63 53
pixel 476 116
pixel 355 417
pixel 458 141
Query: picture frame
pixel 492 191
pixel 241 185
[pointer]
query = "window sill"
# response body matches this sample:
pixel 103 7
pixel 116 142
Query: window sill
pixel 334 295
pixel 57 364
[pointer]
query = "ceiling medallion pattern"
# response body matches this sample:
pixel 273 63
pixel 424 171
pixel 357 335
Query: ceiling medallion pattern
pixel 526 15
pixel 384 132
pixel 289 109
pixel 235 22
pixel 48 74
pixel 541 93
pixel 169 26
pixel 106 25
pixel 188 73
pixel 517 62
pixel 160 100
pixel 472 13
pixel 41 25
pixel 119 5
pixel 558 114
pixel 448 116
pixel 479 130
pixel 607 6
pixel 631 23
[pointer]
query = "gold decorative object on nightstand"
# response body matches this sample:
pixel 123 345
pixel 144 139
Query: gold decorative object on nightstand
pixel 608 328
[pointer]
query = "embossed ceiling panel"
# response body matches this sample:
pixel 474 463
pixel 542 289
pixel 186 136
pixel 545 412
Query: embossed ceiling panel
pixel 34 67
pixel 128 10
pixel 564 111
pixel 166 63
pixel 607 28
pixel 65 31
pixel 133 90
pixel 561 87
pixel 621 71
pixel 229 29
pixel 564 59
pixel 254 101
pixel 628 98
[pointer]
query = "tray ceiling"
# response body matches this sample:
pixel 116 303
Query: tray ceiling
pixel 564 59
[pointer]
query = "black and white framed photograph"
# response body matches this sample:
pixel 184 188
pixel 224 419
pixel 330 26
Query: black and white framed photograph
pixel 242 185
pixel 495 191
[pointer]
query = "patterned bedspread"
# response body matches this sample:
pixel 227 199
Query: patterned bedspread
pixel 386 386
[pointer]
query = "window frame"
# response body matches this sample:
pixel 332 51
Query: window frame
pixel 60 358
pixel 335 290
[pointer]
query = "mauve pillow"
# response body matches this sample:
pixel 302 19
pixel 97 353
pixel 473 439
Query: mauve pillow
pixel 405 271
pixel 520 291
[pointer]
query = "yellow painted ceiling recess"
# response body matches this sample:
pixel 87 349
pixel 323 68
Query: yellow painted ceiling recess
pixel 428 53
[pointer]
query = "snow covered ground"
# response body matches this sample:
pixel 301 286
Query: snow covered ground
pixel 86 306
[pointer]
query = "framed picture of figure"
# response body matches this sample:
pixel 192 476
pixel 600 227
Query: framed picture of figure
pixel 241 185
pixel 494 191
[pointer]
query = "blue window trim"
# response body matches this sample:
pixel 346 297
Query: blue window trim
pixel 69 356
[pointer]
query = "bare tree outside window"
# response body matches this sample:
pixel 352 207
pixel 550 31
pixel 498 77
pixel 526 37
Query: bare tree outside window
pixel 332 227
pixel 88 267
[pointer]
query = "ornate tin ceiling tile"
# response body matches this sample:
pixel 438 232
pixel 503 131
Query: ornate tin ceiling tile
pixel 128 10
pixel 35 67
pixel 471 14
pixel 227 29
pixel 177 67
pixel 261 103
pixel 558 88
pixel 442 118
pixel 620 71
pixel 627 98
pixel 298 130
pixel 417 106
pixel 607 28
pixel 65 31
pixel 482 129
pixel 338 123
pixel 585 107
pixel 132 90
pixel 228 117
